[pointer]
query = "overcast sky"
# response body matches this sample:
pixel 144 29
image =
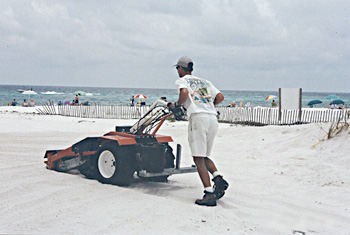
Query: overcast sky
pixel 237 44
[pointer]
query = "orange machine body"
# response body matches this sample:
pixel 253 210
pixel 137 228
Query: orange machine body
pixel 89 146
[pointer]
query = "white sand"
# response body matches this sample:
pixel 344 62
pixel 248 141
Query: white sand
pixel 278 183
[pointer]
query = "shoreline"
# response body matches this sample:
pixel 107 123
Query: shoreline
pixel 121 96
pixel 21 86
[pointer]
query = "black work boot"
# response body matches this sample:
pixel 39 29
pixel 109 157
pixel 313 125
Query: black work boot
pixel 220 185
pixel 209 199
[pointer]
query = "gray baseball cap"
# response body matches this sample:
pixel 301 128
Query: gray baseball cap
pixel 184 61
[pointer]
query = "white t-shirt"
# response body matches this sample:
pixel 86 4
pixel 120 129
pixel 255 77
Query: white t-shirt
pixel 201 94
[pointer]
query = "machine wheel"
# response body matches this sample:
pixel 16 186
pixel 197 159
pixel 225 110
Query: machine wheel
pixel 114 165
pixel 169 157
pixel 169 163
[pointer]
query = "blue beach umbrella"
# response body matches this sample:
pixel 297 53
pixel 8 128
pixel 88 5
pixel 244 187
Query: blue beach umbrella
pixel 332 97
pixel 336 102
pixel 313 102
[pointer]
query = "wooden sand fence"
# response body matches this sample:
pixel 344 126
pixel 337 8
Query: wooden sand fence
pixel 95 111
pixel 269 116
pixel 257 116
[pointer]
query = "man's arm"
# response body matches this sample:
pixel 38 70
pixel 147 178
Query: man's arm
pixel 182 96
pixel 218 99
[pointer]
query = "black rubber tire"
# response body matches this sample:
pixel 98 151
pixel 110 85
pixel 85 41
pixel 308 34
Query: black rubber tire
pixel 123 161
pixel 169 163
pixel 169 157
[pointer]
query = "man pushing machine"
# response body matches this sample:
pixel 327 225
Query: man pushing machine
pixel 199 97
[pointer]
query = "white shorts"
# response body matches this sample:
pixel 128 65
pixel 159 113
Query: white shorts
pixel 202 128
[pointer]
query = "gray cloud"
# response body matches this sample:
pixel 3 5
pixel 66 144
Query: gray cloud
pixel 239 45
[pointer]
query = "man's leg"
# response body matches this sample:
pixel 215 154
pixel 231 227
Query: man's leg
pixel 210 165
pixel 209 198
pixel 202 171
pixel 220 185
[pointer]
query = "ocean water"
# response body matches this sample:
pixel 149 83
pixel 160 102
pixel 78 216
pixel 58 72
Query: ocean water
pixel 121 96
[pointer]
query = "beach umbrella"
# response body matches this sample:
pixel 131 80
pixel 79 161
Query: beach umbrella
pixel 270 97
pixel 332 97
pixel 140 96
pixel 79 93
pixel 336 102
pixel 29 92
pixel 313 102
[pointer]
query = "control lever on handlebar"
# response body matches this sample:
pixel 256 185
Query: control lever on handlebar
pixel 178 110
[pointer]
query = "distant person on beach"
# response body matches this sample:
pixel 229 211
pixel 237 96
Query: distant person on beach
pixel 32 104
pixel 273 104
pixel 233 104
pixel 76 99
pixel 132 99
pixel 14 102
pixel 199 97
pixel 333 106
pixel 25 103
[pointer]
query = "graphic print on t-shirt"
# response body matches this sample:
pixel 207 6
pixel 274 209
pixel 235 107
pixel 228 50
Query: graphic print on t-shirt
pixel 199 90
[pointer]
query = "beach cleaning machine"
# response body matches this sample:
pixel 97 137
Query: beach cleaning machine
pixel 114 157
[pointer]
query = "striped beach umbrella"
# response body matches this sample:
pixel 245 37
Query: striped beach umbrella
pixel 140 96
pixel 270 97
